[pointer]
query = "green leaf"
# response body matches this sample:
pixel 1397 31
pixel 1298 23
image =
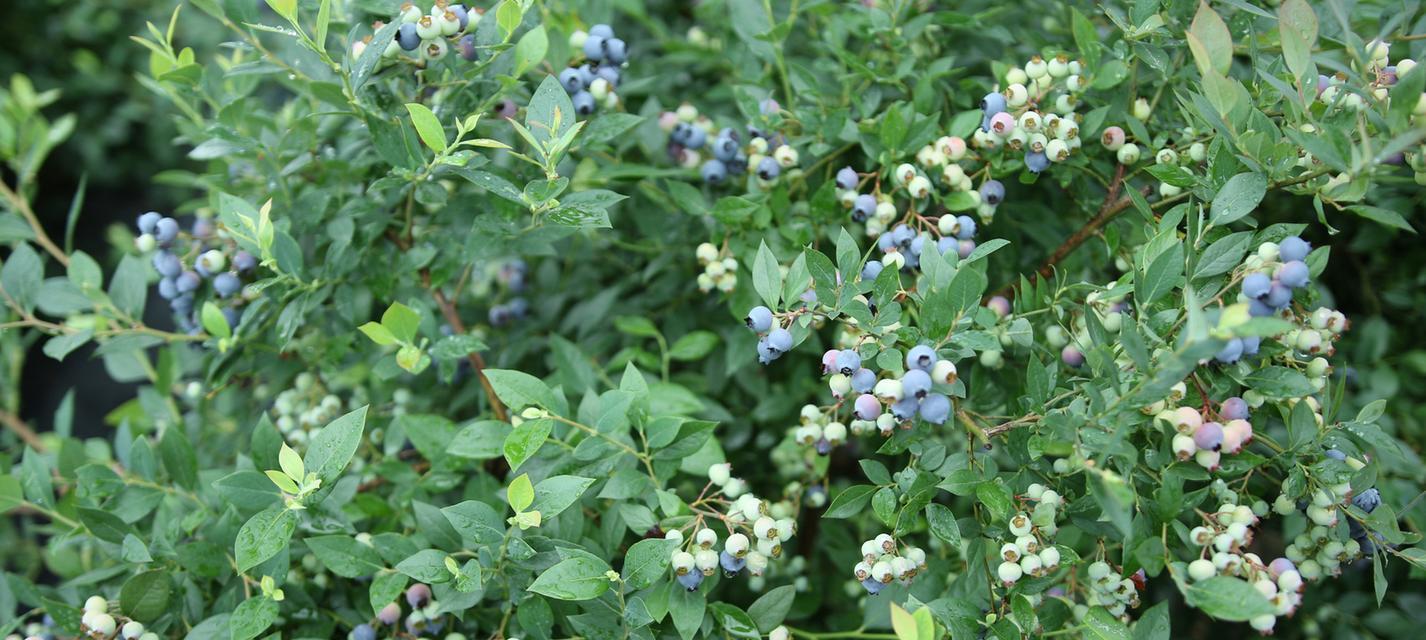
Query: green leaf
pixel 525 440
pixel 1100 624
pixel 518 389
pixel 1223 255
pixel 1237 198
pixel 1227 598
pixel 385 588
pixel 213 321
pixel 1210 41
pixel 578 578
pixel 1297 27
pixel 693 345
pixel 734 621
pixel 1278 382
pixel 1162 276
pixel 291 463
pixel 371 56
pixel 850 501
pixel 943 524
pixel 902 623
pixel 769 610
pixel 129 287
pixel 550 114
pixel 285 8
pixel 252 618
pixel 530 50
pixel 104 525
pixel 426 565
pixel 263 536
pixel 345 556
pixel 647 561
pixel 145 596
pixel 11 495
pixel 427 126
pixel 1154 623
pixel 521 493
pixel 556 493
pixel 332 447
pixel 378 333
pixel 767 277
pixel 402 321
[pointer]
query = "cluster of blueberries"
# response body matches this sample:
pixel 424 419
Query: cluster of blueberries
pixel 690 135
pixel 1268 295
pixel 97 622
pixel 755 536
pixel 909 396
pixel 882 563
pixel 773 340
pixel 430 33
pixel 425 618
pixel 213 262
pixel 1043 135
pixel 1206 440
pixel 1224 538
pixel 595 81
pixel 878 211
pixel 1367 501
pixel 513 275
pixel 1031 550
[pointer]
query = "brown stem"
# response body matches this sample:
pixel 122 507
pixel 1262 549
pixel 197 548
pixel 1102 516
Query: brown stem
pixel 28 435
pixel 23 208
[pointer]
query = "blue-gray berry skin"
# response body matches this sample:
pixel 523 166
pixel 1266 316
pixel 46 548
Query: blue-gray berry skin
pixel 967 227
pixel 602 30
pixel 407 38
pixel 1259 309
pixel 780 339
pixel 1036 161
pixel 872 587
pixel 691 580
pixel 848 361
pixel 363 631
pixel 165 230
pixel 1251 344
pixel 872 269
pixel 695 138
pixel 915 383
pixel 1231 352
pixel 990 105
pixel 1335 454
pixel 714 171
pixel 571 80
pixel 847 178
pixel 1293 248
pixel 1367 500
pixel 921 357
pixel 167 264
pixel 244 262
pixel 468 52
pixel 167 288
pixel 610 74
pixel 1234 408
pixel 766 354
pixel 583 103
pixel 992 192
pixel 594 48
pixel 1278 296
pixel 935 408
pixel 615 51
pixel 863 207
pixel 759 319
pixel 731 563
pixel 226 284
pixel 188 282
pixel 1257 285
pixel 462 14
pixel 1293 274
pixel 905 408
pixel 769 169
pixel 863 380
pixel 234 316
pixel 586 74
pixel 725 148
pixel 148 221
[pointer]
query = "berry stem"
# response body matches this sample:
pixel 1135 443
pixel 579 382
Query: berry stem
pixel 22 206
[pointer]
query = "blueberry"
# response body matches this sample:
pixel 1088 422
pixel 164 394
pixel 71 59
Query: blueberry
pixel 1259 309
pixel 872 586
pixel 1072 356
pixel 1209 436
pixel 714 171
pixel 233 315
pixel 188 282
pixel 902 236
pixel 586 74
pixel 905 408
pixel 691 580
pixel 571 81
pixel 1251 344
pixel 389 614
pixel 148 221
pixel 1293 274
pixel 695 138
pixel 917 244
pixel 1293 248
pixel 226 284
pixel 363 631
pixel 732 564
pixel 594 47
pixel 992 192
pixel 921 357
pixel 1367 500
pixel 725 148
pixel 203 228
pixel 1234 408
pixel 780 340
pixel 872 269
pixel 916 383
pixel 885 242
pixel 244 262
pixel 407 37
pixel 167 264
pixel 182 305
pixel 615 51
pixel 1256 285
pixel 863 207
pixel 935 408
pixel 848 361
pixel 769 169
pixel 759 319
pixel 680 132
pixel 847 178
pixel 766 354
pixel 1278 296
pixel 418 595
pixel 1335 454
pixel 583 103
pixel 992 103
pixel 167 288
pixel 462 15
pixel 1230 352
pixel 966 229
pixel 602 30
pixel 498 315
pixel 1036 161
pixel 610 75
pixel 863 380
pixel 165 230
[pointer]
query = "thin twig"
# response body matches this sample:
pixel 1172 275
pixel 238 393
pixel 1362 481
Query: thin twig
pixel 28 435
pixel 21 206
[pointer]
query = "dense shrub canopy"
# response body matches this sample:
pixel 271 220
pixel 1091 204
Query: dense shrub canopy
pixel 881 319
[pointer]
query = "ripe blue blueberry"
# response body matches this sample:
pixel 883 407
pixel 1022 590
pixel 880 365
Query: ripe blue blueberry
pixel 1072 356
pixel 1234 408
pixel 1335 454
pixel 1367 500
pixel 966 229
pixel 610 75
pixel 594 47
pixel 935 408
pixel 1231 352
pixel 905 408
pixel 233 315
pixel 863 207
pixel 992 192
pixel 602 30
pixel 1293 248
pixel 615 51
pixel 680 132
pixel 769 169
pixel 691 580
pixel 872 586
pixel 165 230
pixel 863 380
pixel 586 74
pixel 148 221
pixel 167 264
pixel 1251 344
pixel 1036 161
pixel 872 269
pixel 766 354
pixel 407 37
pixel 991 104
pixel 203 228
pixel 885 242
pixel 731 563
pixel 468 51
pixel 902 235
pixel 1293 274
pixel 867 407
pixel 759 319
pixel 1256 285
pixel 363 631
pixel 226 284
pixel 462 14
pixel 847 178
pixel 714 171
pixel 167 288
pixel 1209 436
pixel 780 340
pixel 244 262
pixel 695 138
pixel 921 357
pixel 418 595
pixel 1259 309
pixel 570 79
pixel 182 305
pixel 1279 296
pixel 188 282
pixel 583 103
pixel 947 245
pixel 848 361
pixel 916 383
pixel 725 148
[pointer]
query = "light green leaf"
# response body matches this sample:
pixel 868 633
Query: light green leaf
pixel 427 126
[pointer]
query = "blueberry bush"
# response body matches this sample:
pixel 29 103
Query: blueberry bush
pixel 733 319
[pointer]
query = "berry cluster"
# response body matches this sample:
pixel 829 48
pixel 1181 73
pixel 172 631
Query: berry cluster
pixel 695 141
pixel 309 405
pixel 99 624
pixel 1380 75
pixel 430 35
pixel 1023 116
pixel 1105 587
pixel 1108 308
pixel 884 561
pixel 595 80
pixel 1223 539
pixel 513 276
pixel 720 269
pixel 1274 272
pixel 911 395
pixel 773 340
pixel 757 530
pixel 425 619
pixel 1201 436
pixel 1032 553
pixel 186 262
